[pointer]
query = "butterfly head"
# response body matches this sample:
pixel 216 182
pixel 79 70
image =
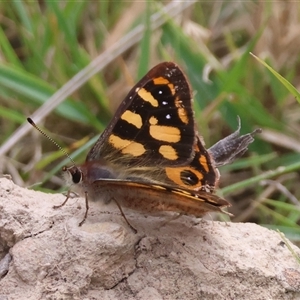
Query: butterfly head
pixel 84 176
pixel 72 175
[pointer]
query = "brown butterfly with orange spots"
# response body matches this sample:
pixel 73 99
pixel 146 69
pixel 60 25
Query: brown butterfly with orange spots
pixel 151 158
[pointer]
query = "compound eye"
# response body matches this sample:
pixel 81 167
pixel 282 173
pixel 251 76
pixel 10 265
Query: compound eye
pixel 76 176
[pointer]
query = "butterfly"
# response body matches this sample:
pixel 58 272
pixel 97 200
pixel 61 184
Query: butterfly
pixel 151 157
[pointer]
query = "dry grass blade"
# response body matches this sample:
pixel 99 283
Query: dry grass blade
pixel 280 139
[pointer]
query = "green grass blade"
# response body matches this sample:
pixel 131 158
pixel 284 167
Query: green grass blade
pixel 281 79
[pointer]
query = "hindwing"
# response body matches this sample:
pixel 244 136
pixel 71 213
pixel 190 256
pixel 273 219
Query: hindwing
pixel 199 174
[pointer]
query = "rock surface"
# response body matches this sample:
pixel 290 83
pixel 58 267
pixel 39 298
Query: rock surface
pixel 53 258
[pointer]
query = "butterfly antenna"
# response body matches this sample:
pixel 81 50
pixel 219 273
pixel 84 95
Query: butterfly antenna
pixel 30 121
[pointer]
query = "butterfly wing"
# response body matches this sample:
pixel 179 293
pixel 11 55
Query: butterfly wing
pixel 153 125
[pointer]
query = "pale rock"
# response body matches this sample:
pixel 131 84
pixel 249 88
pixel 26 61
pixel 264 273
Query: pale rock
pixel 187 258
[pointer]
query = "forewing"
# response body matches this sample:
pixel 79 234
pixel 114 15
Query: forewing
pixel 154 124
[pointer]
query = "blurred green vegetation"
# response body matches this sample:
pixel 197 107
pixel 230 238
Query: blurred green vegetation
pixel 44 44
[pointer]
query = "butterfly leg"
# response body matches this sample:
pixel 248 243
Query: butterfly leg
pixel 67 198
pixel 172 218
pixel 86 209
pixel 123 215
pixel 86 206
